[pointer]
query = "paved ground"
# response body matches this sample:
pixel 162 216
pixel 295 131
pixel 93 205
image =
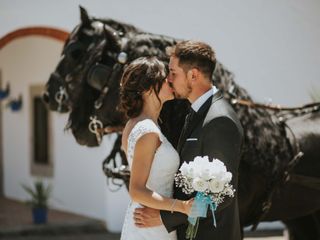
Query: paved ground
pixel 16 224
pixel 266 238
pixel 16 221
pixel 15 213
pixel 67 237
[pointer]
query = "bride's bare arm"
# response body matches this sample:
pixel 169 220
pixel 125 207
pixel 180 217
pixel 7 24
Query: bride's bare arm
pixel 144 152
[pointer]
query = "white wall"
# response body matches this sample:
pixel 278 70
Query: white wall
pixel 272 46
pixel 79 184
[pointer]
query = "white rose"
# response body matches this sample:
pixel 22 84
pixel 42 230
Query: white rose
pixel 218 176
pixel 217 162
pixel 197 160
pixel 201 160
pixel 194 169
pixel 216 186
pixel 219 165
pixel 218 169
pixel 227 177
pixel 199 184
pixel 191 173
pixel 205 160
pixel 206 174
pixel 191 165
pixel 184 169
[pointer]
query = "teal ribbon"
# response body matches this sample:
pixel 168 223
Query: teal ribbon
pixel 200 207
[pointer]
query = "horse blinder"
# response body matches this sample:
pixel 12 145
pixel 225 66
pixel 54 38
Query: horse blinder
pixel 98 76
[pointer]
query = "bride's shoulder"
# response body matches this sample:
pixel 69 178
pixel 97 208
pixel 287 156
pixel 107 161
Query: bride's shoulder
pixel 141 127
pixel 136 128
pixel 142 124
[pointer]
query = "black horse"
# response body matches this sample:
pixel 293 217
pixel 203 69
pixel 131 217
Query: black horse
pixel 267 155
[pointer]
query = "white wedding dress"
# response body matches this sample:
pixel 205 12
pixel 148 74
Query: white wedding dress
pixel 164 166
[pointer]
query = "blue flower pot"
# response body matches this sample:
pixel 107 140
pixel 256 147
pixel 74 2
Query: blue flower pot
pixel 39 215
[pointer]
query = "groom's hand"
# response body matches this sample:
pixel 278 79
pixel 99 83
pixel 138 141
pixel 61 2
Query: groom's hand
pixel 147 217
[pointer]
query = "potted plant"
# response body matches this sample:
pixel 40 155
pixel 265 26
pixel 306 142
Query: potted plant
pixel 39 200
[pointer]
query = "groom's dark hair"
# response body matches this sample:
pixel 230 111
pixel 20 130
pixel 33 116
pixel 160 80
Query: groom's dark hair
pixel 195 54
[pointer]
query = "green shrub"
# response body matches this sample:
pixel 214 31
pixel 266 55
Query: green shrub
pixel 39 194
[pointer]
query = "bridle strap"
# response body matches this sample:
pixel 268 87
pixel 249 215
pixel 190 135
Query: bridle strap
pixel 315 106
pixel 115 129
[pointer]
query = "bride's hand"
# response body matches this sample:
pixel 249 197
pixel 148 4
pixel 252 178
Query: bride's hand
pixel 188 205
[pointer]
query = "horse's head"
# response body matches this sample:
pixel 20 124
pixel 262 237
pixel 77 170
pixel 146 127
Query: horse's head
pixel 96 107
pixel 61 89
pixel 102 73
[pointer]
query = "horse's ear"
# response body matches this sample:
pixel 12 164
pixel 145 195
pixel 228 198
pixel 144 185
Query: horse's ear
pixel 84 16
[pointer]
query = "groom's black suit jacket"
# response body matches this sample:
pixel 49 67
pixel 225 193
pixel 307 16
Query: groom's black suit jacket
pixel 215 131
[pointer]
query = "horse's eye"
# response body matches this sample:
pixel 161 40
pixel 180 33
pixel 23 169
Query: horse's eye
pixel 74 50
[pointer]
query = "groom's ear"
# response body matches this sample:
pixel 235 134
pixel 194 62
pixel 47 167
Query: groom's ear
pixel 193 74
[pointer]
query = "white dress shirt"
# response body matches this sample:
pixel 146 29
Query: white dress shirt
pixel 196 105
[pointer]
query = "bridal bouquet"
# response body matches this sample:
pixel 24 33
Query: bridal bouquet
pixel 211 181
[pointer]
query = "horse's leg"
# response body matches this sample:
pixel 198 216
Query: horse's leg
pixel 304 228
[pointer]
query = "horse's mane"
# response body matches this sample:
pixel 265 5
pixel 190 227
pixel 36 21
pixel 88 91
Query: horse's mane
pixel 117 25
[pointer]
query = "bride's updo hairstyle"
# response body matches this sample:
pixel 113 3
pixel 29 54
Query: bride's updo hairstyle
pixel 141 75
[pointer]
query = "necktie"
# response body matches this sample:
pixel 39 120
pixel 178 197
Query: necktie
pixel 187 122
pixel 189 118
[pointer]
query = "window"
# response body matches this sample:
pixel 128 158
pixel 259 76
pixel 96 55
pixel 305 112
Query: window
pixel 40 132
pixel 41 162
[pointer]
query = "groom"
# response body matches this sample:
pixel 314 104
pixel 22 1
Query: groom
pixel 213 129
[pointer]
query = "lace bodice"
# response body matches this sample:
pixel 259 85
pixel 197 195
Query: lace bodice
pixel 166 160
pixel 164 166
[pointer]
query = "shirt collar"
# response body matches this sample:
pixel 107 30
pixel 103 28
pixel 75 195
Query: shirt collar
pixel 196 105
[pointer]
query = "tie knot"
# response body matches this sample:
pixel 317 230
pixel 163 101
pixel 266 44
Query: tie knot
pixel 191 112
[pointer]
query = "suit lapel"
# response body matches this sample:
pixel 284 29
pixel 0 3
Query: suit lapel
pixel 202 112
pixel 216 96
pixel 200 115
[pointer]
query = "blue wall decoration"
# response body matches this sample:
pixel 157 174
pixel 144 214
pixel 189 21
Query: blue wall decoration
pixel 4 93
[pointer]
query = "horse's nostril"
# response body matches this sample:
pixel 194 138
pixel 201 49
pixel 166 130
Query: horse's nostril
pixel 45 97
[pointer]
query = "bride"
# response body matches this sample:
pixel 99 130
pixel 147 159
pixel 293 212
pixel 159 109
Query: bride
pixel 152 159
